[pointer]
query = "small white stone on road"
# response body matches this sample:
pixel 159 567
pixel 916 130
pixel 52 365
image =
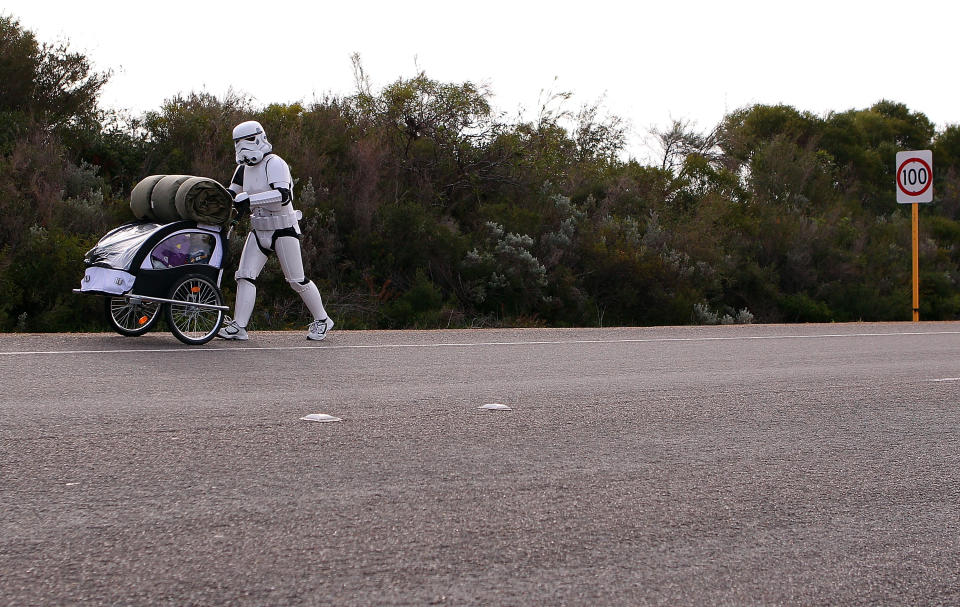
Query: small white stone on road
pixel 496 407
pixel 320 417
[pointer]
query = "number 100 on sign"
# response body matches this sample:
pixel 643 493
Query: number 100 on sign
pixel 915 176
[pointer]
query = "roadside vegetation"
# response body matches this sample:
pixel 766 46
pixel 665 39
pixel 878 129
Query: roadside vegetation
pixel 425 207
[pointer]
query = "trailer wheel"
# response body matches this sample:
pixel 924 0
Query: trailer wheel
pixel 131 317
pixel 188 323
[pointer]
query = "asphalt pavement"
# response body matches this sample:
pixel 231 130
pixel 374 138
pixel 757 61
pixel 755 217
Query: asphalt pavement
pixel 726 465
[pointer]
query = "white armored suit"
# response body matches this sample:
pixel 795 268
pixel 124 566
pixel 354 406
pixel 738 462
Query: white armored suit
pixel 262 184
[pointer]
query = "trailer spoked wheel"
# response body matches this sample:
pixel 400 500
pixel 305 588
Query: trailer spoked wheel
pixel 189 323
pixel 131 317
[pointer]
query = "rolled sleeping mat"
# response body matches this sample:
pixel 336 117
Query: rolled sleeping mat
pixel 163 199
pixel 140 198
pixel 204 200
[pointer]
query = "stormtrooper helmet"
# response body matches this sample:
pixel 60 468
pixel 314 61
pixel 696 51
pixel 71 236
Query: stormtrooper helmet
pixel 251 143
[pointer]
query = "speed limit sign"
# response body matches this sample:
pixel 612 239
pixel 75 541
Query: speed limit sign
pixel 915 176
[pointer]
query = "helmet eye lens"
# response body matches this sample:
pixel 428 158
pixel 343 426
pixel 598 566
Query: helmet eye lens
pixel 250 138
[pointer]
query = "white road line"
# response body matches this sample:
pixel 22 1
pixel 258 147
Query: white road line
pixel 186 349
pixel 943 379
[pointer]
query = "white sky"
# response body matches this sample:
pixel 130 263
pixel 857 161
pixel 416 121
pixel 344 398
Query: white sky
pixel 650 62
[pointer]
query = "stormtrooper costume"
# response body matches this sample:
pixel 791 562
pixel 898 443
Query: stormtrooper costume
pixel 262 186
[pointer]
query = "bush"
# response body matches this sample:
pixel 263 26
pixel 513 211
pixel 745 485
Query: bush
pixel 38 284
pixel 799 307
pixel 417 308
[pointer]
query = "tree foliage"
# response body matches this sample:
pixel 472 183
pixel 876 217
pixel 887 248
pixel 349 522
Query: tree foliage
pixel 425 207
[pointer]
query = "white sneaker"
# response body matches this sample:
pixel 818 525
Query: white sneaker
pixel 319 329
pixel 231 330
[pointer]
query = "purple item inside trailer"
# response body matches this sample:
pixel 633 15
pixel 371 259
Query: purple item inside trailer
pixel 181 249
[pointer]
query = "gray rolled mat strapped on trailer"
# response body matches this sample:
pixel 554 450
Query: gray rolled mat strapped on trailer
pixel 167 198
pixel 140 198
pixel 204 200
pixel 163 198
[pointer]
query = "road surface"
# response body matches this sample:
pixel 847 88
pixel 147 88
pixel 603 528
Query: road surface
pixel 732 465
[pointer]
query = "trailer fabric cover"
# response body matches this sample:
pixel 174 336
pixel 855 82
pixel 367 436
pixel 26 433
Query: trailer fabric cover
pixel 118 248
pixel 106 280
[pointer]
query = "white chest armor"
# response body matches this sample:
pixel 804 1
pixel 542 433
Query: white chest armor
pixel 265 176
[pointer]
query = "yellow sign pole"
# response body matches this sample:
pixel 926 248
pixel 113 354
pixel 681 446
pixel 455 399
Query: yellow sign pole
pixel 916 262
pixel 915 185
